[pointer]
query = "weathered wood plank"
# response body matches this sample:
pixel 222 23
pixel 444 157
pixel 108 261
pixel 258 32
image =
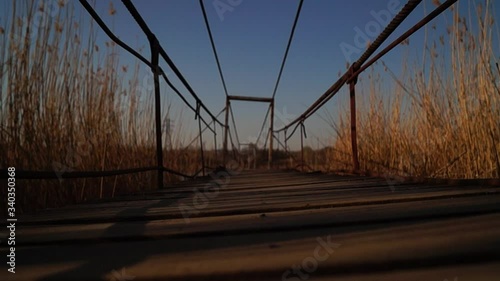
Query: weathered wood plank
pixel 260 224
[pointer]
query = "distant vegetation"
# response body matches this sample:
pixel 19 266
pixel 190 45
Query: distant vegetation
pixel 67 103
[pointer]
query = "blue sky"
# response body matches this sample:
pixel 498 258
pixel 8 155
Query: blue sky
pixel 251 37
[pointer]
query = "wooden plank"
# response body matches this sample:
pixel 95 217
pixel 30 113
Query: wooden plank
pixel 278 221
pixel 266 256
pixel 261 223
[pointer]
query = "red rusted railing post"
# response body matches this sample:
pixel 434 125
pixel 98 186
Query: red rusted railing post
pixel 226 130
pixel 202 154
pixel 155 55
pixel 215 143
pixel 271 128
pixel 302 133
pixel 286 149
pixel 354 140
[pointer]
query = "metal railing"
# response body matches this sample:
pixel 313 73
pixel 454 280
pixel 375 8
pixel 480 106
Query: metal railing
pixel 157 51
pixel 351 76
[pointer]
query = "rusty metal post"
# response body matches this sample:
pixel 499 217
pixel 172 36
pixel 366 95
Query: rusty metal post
pixel 215 142
pixel 201 138
pixel 155 54
pixel 226 130
pixel 271 128
pixel 302 146
pixel 354 140
pixel 286 150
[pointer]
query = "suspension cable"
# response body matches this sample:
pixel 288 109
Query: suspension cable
pixel 266 139
pixel 206 128
pixel 138 18
pixel 396 21
pixel 234 125
pixel 263 125
pixel 395 43
pixel 287 47
pixel 235 150
pixel 120 43
pixel 207 24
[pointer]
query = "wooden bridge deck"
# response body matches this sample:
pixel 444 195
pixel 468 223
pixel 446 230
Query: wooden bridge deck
pixel 270 225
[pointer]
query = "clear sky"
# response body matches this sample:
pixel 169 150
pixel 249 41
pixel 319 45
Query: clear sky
pixel 251 36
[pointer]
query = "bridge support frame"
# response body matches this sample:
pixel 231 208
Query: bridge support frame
pixel 229 98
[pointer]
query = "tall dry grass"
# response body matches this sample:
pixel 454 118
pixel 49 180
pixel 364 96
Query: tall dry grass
pixel 67 103
pixel 443 117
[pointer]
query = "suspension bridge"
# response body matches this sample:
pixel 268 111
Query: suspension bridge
pixel 270 223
